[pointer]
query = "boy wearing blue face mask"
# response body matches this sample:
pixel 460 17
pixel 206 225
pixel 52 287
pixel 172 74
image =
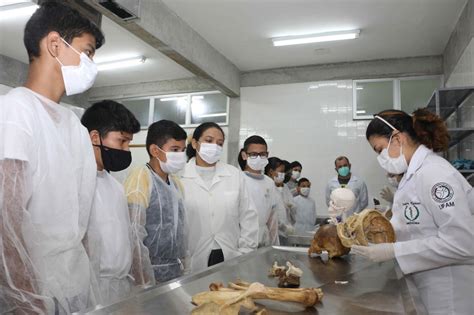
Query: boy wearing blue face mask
pixel 345 179
pixel 47 169
pixel 111 127
pixel 156 206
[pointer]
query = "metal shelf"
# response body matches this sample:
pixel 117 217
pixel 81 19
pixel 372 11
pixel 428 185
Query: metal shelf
pixel 445 101
pixel 458 134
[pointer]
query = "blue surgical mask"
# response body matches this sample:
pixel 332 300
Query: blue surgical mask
pixel 344 171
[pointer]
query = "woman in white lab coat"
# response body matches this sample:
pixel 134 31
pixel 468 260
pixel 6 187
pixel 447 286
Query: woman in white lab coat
pixel 432 210
pixel 253 158
pixel 222 222
pixel 276 171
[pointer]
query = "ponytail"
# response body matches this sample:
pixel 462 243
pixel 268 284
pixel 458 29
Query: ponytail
pixel 431 130
pixel 423 127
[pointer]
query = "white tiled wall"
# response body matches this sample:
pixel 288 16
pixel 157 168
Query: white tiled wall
pixel 313 126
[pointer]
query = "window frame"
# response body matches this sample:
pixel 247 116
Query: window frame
pixel 397 97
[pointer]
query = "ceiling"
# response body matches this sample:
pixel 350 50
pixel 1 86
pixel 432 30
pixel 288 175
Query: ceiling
pixel 241 29
pixel 118 43
pixel 389 29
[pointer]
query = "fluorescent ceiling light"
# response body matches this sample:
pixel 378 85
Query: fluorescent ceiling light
pixel 361 111
pixel 123 63
pixel 17 9
pixel 171 99
pixel 315 38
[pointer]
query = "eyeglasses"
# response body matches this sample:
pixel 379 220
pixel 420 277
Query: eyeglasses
pixel 254 155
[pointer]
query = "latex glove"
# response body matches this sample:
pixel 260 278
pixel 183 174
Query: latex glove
pixel 376 253
pixel 387 194
pixel 290 230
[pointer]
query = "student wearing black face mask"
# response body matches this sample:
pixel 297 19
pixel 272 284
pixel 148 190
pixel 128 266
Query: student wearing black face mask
pixel 111 127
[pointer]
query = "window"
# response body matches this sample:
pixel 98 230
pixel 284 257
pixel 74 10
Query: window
pixel 140 108
pixel 407 94
pixel 415 93
pixel 171 108
pixel 187 110
pixel 373 97
pixel 208 108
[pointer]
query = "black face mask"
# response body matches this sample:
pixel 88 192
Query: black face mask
pixel 114 160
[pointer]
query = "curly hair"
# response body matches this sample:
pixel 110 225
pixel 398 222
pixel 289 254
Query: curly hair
pixel 422 127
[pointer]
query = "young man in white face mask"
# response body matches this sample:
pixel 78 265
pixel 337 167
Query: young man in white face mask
pixel 155 201
pixel 111 127
pixel 305 208
pixel 262 190
pixel 47 169
pixel 223 223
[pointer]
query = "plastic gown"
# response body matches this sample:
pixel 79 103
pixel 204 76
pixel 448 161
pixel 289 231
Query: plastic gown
pixel 47 182
pixel 109 239
pixel 158 226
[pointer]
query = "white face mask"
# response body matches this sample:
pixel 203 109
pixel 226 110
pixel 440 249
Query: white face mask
pixel 175 162
pixel 304 191
pixel 393 181
pixel 295 175
pixel 80 78
pixel 396 165
pixel 258 163
pixel 210 152
pixel 279 178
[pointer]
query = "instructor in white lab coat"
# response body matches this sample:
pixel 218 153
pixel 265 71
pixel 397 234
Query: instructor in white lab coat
pixel 222 222
pixel 432 210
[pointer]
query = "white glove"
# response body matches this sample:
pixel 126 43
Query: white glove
pixel 376 253
pixel 387 194
pixel 290 230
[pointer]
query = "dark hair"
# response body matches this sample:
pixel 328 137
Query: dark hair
pixel 273 164
pixel 303 180
pixel 190 152
pixel 340 158
pixel 161 131
pixel 295 164
pixel 250 140
pixel 58 17
pixel 423 127
pixel 107 115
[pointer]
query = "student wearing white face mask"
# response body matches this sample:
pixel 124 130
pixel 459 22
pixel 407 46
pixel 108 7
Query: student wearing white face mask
pixel 223 223
pixel 295 173
pixel 252 160
pixel 276 171
pixel 305 208
pixel 155 202
pixel 432 210
pixel 47 169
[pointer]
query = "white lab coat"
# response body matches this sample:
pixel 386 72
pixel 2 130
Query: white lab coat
pixel 305 215
pixel 109 239
pixel 58 185
pixel 359 189
pixel 434 228
pixel 263 194
pixel 221 213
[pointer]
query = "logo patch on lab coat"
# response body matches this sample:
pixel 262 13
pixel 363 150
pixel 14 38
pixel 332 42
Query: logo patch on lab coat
pixel 442 192
pixel 411 212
